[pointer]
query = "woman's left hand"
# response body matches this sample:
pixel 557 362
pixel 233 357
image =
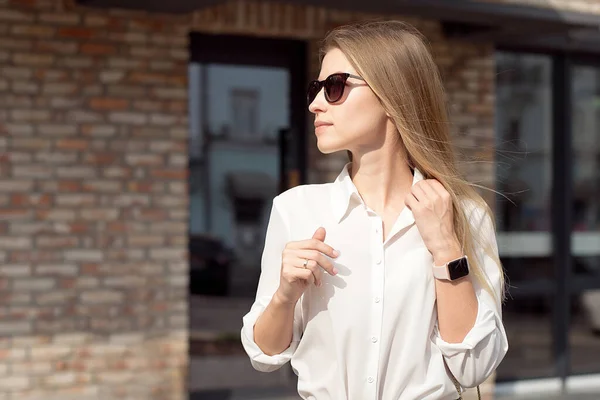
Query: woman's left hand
pixel 431 205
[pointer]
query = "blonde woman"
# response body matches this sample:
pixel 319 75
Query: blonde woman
pixel 386 283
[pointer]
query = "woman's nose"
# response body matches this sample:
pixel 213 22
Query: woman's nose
pixel 319 103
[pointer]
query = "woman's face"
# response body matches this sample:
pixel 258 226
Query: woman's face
pixel 357 122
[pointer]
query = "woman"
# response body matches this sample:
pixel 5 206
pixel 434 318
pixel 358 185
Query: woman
pixel 386 283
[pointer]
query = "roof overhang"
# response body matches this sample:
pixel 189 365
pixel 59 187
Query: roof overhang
pixel 482 20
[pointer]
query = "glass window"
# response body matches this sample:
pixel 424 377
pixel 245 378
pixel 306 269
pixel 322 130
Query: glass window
pixel 584 332
pixel 235 174
pixel 524 178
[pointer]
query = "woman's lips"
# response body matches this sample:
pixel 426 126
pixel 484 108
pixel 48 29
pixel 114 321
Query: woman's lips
pixel 321 127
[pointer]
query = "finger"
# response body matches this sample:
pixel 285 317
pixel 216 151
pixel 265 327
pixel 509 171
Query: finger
pixel 314 267
pixel 439 189
pixel 429 191
pixel 319 234
pixel 314 255
pixel 295 274
pixel 314 244
pixel 418 193
pixel 411 201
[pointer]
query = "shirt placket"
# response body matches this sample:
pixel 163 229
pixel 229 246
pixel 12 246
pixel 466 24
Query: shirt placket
pixel 376 299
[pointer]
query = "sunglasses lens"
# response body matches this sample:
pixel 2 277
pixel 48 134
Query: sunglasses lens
pixel 313 90
pixel 334 87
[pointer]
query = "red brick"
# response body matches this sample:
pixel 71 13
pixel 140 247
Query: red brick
pixel 59 18
pixel 102 186
pixel 99 214
pixel 14 214
pixel 165 146
pixel 75 200
pixel 35 256
pixel 24 200
pixel 69 186
pixel 180 173
pixel 108 103
pixel 57 241
pixel 45 74
pixel 55 215
pixel 60 47
pixel 89 269
pixel 72 144
pixel 100 158
pixel 149 25
pixel 146 77
pixel 97 49
pixel 77 33
pixel 179 107
pixel 117 172
pixel 99 130
pixel 144 159
pixel 151 214
pixel 140 187
pixel 33 30
pixel 128 118
pixel 32 171
pixel 81 227
pixel 14 15
pixel 147 105
pixel 60 88
pixel 33 59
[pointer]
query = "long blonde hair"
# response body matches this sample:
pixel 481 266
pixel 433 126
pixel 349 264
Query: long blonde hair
pixel 394 60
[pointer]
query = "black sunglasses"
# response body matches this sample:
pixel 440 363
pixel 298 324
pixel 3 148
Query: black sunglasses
pixel 334 86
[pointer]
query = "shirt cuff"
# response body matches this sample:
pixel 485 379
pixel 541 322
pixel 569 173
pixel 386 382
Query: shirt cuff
pixel 485 325
pixel 260 360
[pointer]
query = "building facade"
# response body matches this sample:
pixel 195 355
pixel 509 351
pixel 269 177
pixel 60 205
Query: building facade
pixel 142 143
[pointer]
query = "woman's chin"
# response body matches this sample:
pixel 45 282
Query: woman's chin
pixel 326 147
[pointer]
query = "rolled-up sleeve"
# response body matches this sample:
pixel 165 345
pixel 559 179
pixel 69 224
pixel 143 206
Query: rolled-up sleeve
pixel 474 359
pixel 276 238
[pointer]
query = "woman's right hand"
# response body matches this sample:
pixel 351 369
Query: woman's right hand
pixel 302 264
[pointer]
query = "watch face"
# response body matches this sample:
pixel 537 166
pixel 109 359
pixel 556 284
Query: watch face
pixel 458 268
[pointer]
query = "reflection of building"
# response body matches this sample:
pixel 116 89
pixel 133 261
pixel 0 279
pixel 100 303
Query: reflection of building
pixel 105 113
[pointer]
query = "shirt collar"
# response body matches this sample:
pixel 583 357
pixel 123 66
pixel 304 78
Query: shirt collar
pixel 345 196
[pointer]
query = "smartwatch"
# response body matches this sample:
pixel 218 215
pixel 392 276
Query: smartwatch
pixel 452 270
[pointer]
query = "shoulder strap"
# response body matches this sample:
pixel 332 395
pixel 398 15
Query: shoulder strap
pixel 457 385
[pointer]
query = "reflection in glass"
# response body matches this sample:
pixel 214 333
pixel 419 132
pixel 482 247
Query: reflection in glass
pixel 523 141
pixel 528 321
pixel 524 175
pixel 235 175
pixel 584 330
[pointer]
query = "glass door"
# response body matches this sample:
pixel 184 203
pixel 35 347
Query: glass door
pixel 584 330
pixel 243 109
pixel 524 173
pixel 247 117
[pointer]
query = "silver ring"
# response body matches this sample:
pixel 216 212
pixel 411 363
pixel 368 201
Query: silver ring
pixel 305 263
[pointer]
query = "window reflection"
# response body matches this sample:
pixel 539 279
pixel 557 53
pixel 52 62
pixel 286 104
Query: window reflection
pixel 234 175
pixel 584 329
pixel 523 141
pixel 528 321
pixel 524 175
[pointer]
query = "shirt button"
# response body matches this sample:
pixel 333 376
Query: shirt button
pixel 377 299
pixel 374 339
pixel 370 379
pixel 378 261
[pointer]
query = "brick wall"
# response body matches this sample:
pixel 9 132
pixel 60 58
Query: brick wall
pixel 93 205
pixel 93 164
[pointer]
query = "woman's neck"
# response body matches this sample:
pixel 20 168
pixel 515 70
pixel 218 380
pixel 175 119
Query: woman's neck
pixel 383 178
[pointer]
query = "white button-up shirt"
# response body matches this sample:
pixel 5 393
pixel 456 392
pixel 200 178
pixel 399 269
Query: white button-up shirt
pixel 370 332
